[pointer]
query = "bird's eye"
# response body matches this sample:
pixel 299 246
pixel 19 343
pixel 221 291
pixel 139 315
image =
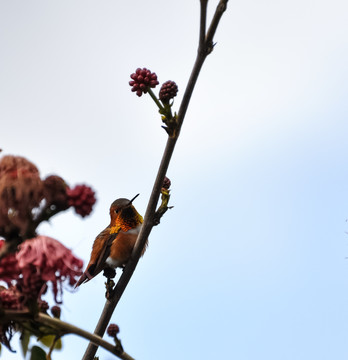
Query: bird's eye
pixel 116 211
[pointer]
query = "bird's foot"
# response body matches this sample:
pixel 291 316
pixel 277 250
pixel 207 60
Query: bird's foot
pixel 109 273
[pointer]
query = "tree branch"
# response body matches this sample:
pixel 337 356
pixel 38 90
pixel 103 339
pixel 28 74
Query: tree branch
pixel 67 328
pixel 203 52
pixel 220 9
pixel 204 4
pixel 59 328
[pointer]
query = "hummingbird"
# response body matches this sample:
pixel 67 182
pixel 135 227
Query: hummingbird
pixel 113 247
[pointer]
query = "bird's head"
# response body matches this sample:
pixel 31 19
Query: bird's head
pixel 122 208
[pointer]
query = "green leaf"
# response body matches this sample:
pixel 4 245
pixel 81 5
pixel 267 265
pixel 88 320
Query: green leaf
pixel 25 338
pixel 37 353
pixel 48 341
pixel 58 345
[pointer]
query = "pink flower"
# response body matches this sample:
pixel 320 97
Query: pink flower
pixel 46 259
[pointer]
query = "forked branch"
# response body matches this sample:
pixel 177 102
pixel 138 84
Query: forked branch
pixel 204 49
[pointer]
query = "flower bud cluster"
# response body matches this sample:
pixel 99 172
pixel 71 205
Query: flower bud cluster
pixel 142 80
pixel 82 198
pixel 168 91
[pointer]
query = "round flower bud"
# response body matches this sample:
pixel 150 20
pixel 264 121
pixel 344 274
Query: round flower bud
pixel 166 183
pixel 168 91
pixel 56 310
pixel 113 330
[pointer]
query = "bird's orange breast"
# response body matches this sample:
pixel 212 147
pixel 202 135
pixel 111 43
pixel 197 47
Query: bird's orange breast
pixel 122 246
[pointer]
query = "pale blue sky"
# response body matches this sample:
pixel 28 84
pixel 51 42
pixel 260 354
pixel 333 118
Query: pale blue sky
pixel 251 262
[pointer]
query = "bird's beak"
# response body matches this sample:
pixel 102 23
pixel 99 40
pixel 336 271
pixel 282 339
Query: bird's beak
pixel 133 198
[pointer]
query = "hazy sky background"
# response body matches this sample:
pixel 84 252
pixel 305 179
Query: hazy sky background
pixel 251 262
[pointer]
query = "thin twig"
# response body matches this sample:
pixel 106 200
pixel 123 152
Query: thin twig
pixel 204 4
pixel 67 328
pixel 59 328
pixel 203 52
pixel 220 9
pixel 54 342
pixel 154 98
pixel 8 315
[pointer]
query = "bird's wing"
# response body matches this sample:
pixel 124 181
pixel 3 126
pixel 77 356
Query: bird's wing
pixel 100 252
pixel 100 264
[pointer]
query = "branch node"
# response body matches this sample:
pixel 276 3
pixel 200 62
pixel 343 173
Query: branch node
pixel 163 207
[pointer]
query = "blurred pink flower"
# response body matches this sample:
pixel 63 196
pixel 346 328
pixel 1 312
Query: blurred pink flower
pixel 82 198
pixel 50 260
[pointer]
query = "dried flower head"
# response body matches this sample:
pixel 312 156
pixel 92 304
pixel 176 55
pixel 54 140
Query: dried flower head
pixel 142 80
pixel 10 164
pixel 82 198
pixel 168 91
pixel 55 192
pixel 21 191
